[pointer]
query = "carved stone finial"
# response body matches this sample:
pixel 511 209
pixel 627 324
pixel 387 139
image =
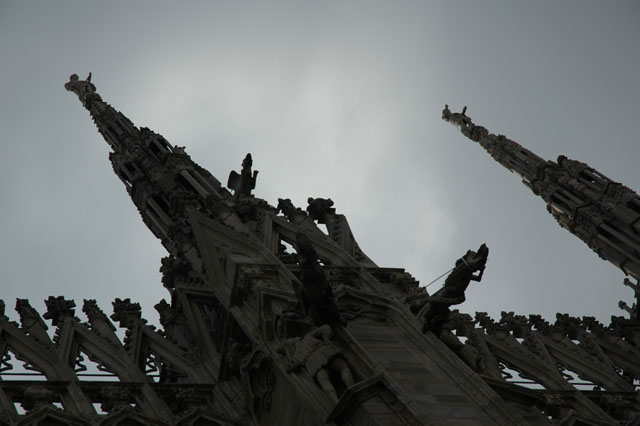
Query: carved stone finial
pixel 173 268
pixel 289 210
pixel 244 182
pixel 593 325
pixel 125 311
pixel 31 322
pixel 567 325
pixel 540 324
pixel 516 324
pixel 82 88
pixel 58 308
pixel 319 208
pixel 27 313
pixel 458 118
pixel 485 322
pixel 175 325
pixel 167 316
pixel 98 319
pixel 92 311
pixel 446 112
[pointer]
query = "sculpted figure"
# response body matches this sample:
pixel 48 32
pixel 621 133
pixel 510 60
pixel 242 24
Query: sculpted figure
pixel 244 182
pixel 319 356
pixel 436 309
pixel 320 208
pixel 456 116
pixel 80 87
pixel 289 210
pixel 314 290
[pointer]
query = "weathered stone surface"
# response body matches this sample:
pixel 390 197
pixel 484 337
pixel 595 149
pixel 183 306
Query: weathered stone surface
pixel 271 321
pixel 602 213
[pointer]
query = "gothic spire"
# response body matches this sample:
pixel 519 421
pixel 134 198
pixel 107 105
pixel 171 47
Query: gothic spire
pixel 161 178
pixel 603 213
pixel 113 125
pixel 166 185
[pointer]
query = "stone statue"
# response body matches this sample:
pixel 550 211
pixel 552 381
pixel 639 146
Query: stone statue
pixel 125 311
pixel 319 356
pixel 459 117
pixel 314 291
pixel 291 212
pixel 244 182
pixel 435 311
pixel 82 88
pixel 58 308
pixel 320 208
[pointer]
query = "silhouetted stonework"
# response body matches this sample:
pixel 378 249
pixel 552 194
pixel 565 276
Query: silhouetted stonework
pixel 271 321
pixel 602 213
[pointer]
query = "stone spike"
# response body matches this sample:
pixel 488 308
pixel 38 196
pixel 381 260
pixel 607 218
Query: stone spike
pixel 602 213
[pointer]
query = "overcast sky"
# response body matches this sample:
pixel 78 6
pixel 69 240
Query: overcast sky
pixel 334 99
